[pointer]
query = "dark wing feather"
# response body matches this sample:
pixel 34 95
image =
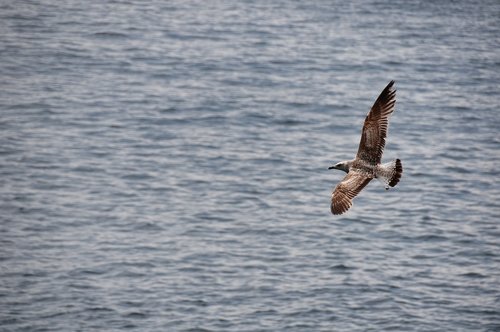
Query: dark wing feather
pixel 375 127
pixel 346 190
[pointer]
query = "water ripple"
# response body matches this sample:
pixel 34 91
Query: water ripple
pixel 164 166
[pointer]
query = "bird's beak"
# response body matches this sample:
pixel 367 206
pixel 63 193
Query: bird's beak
pixel 332 167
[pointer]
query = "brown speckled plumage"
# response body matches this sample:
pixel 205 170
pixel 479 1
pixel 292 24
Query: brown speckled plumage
pixel 366 166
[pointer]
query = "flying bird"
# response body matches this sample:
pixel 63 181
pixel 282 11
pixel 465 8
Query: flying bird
pixel 366 166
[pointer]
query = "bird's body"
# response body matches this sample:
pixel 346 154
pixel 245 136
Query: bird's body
pixel 367 164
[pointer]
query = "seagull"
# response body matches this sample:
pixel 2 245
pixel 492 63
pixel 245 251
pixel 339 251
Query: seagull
pixel 366 166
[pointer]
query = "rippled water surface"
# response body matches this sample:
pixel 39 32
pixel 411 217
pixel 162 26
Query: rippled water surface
pixel 163 166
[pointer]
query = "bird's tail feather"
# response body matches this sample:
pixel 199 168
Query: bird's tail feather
pixel 390 173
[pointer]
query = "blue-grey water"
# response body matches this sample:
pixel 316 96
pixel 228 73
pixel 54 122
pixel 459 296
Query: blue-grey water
pixel 163 166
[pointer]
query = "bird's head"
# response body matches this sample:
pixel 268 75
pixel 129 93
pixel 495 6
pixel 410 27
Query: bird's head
pixel 343 166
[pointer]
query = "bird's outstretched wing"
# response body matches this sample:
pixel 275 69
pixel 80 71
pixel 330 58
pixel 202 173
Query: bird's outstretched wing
pixel 346 190
pixel 375 127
